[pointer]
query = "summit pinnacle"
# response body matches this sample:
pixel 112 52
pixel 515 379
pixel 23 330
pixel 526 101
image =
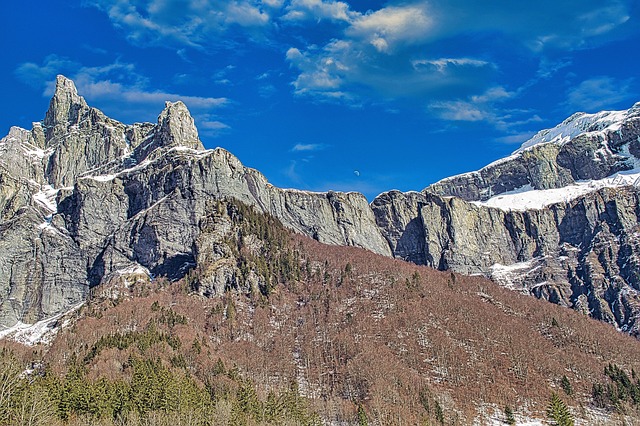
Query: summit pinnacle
pixel 176 126
pixel 65 107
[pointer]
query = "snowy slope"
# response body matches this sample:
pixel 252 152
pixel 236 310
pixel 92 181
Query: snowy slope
pixel 42 332
pixel 580 123
pixel 526 198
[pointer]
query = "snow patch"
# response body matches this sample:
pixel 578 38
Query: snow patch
pixel 526 198
pixel 577 124
pixel 46 197
pixel 102 178
pixel 42 332
pixel 196 152
pixel 48 227
pixel 508 275
pixel 134 270
pixel 35 152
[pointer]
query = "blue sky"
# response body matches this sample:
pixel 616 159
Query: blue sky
pixel 317 94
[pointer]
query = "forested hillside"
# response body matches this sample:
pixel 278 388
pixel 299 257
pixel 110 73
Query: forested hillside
pixel 307 333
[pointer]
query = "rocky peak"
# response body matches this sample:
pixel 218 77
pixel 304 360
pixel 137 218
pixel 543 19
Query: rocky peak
pixel 65 107
pixel 582 147
pixel 176 127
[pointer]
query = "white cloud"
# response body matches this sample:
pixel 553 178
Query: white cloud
pixel 245 14
pixel 404 48
pixel 193 23
pixel 382 52
pixel 387 27
pixel 493 94
pixel 538 25
pixel 300 10
pixel 443 65
pixel 300 147
pixel 273 3
pixel 484 107
pixel 212 125
pixel 603 20
pixel 599 92
pixel 35 75
pixel 319 75
pixel 353 71
pixel 460 111
pixel 98 90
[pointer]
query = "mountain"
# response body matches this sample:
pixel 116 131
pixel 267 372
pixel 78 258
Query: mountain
pixel 557 219
pixel 86 199
pixel 314 334
pixel 139 268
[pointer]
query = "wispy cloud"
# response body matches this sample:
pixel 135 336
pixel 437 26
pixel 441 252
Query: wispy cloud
pixel 348 56
pixel 599 92
pixel 192 23
pixel 302 10
pixel 489 108
pixel 381 52
pixel 515 138
pixel 461 111
pixel 310 147
pixel 203 24
pixel 209 125
pixel 389 27
pixel 319 75
pixel 481 107
pixel 442 65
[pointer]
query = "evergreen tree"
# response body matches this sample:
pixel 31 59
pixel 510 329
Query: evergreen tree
pixel 558 412
pixel 508 415
pixel 566 385
pixel 439 413
pixel 362 416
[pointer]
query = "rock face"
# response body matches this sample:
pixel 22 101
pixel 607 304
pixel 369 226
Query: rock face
pixel 585 146
pixel 85 199
pixel 529 223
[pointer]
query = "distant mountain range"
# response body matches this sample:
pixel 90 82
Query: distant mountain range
pixel 86 199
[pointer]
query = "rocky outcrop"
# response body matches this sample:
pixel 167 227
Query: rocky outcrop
pixel 85 198
pixel 582 147
pixel 582 254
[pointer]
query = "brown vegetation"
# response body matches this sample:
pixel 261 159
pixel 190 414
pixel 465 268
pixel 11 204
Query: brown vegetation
pixel 360 335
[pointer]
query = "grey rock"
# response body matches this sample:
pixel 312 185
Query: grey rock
pixel 117 199
pixel 595 154
pixel 582 254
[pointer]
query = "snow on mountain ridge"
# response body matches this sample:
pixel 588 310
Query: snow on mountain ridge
pixel 527 198
pixel 580 123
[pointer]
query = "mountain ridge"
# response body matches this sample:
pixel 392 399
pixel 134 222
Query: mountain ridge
pixel 91 197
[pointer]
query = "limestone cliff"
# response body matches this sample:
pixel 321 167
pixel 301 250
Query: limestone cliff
pixel 84 198
pixel 558 219
pixel 585 146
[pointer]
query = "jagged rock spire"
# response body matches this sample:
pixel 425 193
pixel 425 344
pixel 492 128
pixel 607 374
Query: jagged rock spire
pixel 65 106
pixel 176 126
